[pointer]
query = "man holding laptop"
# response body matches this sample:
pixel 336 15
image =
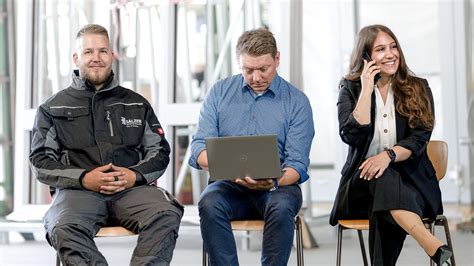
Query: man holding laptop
pixel 257 102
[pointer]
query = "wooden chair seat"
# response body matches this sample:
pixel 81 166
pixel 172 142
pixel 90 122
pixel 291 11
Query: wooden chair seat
pixel 355 224
pixel 247 225
pixel 114 231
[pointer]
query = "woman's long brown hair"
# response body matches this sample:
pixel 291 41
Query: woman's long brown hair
pixel 412 99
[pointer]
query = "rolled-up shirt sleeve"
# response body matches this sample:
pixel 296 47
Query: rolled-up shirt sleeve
pixel 299 138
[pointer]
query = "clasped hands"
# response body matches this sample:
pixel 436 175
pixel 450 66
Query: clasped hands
pixel 374 166
pixel 109 179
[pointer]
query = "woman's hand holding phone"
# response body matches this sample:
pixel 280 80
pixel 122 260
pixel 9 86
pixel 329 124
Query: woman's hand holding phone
pixel 370 74
pixel 362 109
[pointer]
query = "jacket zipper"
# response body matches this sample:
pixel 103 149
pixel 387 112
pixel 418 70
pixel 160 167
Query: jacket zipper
pixel 93 128
pixel 109 121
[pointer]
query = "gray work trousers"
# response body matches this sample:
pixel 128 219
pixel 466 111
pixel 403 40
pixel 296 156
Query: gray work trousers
pixel 75 216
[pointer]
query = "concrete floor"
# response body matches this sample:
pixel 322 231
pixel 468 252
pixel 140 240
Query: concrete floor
pixel 188 248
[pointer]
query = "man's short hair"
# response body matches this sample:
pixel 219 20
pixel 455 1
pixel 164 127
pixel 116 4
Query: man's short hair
pixel 92 29
pixel 256 42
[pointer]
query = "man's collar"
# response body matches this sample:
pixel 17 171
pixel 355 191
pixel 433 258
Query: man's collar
pixel 82 83
pixel 274 85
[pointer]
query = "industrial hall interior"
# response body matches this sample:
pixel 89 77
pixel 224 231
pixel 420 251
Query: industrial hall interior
pixel 179 57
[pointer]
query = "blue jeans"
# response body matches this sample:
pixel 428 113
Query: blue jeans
pixel 224 201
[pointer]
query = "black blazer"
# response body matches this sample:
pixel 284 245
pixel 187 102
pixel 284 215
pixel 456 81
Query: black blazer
pixel 353 198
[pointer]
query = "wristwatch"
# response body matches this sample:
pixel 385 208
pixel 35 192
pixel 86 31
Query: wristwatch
pixel 275 185
pixel 391 154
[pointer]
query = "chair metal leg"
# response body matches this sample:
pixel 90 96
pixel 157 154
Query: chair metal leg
pixel 246 241
pixel 299 242
pixel 441 220
pixel 362 247
pixel 444 221
pixel 339 245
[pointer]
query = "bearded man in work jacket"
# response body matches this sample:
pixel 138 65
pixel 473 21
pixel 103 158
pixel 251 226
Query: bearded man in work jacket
pixel 99 146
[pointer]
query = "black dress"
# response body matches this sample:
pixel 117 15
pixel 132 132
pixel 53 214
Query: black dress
pixel 392 191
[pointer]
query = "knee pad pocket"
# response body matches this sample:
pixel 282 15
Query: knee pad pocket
pixel 66 226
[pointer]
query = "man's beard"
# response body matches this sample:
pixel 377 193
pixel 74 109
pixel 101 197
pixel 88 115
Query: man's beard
pixel 97 78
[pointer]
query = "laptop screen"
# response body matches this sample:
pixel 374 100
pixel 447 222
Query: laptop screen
pixel 236 157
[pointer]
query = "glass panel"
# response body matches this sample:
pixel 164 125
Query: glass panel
pixel 5 131
pixel 4 95
pixel 147 46
pixel 2 198
pixel 2 166
pixel 471 91
pixel 155 32
pixel 4 112
pixel 2 182
pixel 181 143
pixel 321 72
pixel 54 41
pixel 191 51
pixel 3 48
pixel 127 52
pixel 420 44
pixel 139 46
pixel 53 46
pixel 471 63
pixel 3 207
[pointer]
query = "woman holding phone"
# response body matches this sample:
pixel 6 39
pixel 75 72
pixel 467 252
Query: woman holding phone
pixel 387 122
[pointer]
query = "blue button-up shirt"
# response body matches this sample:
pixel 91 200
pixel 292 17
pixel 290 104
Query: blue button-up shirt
pixel 232 108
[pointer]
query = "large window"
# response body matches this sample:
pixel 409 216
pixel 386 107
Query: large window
pixel 171 52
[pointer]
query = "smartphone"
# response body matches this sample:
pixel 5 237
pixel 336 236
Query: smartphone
pixel 367 57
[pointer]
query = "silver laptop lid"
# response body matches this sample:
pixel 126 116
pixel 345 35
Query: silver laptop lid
pixel 236 157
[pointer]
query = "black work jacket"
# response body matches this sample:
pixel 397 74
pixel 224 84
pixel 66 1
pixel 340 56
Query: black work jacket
pixel 80 128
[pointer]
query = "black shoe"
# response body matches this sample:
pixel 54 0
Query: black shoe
pixel 442 255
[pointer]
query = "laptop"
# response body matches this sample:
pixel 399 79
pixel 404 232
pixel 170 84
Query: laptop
pixel 237 157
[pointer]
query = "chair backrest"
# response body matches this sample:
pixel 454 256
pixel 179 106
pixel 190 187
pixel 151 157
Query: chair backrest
pixel 438 154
